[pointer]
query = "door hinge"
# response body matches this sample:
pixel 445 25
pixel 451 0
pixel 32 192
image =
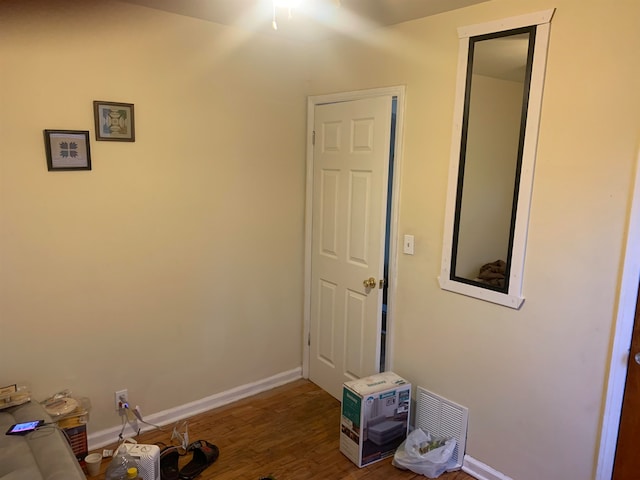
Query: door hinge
pixel 313 138
pixel 309 339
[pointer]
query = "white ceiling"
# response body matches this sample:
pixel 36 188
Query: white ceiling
pixel 313 19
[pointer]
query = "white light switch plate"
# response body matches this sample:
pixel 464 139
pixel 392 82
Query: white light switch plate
pixel 408 245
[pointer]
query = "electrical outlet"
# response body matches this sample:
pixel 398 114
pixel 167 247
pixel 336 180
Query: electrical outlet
pixel 121 397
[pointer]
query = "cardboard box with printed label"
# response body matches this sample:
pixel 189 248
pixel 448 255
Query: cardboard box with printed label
pixel 375 417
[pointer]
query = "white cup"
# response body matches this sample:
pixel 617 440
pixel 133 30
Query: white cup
pixel 93 461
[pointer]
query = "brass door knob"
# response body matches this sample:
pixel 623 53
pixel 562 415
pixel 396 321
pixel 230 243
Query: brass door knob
pixel 369 283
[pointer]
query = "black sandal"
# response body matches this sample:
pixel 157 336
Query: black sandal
pixel 204 454
pixel 169 457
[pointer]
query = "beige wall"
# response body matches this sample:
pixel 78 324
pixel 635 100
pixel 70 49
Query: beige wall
pixel 533 379
pixel 174 267
pixel 181 254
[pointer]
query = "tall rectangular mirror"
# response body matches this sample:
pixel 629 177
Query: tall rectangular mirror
pixel 500 76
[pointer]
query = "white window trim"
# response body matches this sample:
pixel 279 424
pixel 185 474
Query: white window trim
pixel 514 297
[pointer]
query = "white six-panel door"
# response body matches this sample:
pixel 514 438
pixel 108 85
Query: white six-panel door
pixel 350 174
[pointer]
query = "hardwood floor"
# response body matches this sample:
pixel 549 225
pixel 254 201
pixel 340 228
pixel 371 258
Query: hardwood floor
pixel 290 433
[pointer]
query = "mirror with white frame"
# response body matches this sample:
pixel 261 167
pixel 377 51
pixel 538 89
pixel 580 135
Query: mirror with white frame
pixel 500 75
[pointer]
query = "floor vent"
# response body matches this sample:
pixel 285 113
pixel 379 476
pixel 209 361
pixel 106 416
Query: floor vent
pixel 440 416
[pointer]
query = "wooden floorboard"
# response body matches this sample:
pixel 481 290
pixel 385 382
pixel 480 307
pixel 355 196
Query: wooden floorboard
pixel 290 433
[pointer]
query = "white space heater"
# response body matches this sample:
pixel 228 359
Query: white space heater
pixel 439 416
pixel 147 457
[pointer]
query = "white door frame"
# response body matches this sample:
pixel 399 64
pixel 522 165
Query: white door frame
pixel 312 101
pixel 625 316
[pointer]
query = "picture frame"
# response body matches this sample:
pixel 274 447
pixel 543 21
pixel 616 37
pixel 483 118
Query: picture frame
pixel 67 149
pixel 114 121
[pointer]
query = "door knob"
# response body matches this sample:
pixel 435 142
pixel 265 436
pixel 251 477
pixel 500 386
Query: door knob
pixel 369 283
pixel 637 358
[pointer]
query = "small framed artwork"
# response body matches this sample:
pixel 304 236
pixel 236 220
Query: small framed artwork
pixel 114 121
pixel 67 149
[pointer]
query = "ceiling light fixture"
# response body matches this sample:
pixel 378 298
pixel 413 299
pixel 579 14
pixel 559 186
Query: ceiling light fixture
pixel 289 5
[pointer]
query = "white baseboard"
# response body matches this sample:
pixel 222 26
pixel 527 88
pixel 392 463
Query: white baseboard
pixel 481 471
pixel 110 435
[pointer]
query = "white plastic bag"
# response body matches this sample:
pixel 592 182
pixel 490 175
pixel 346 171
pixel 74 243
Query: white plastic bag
pixel 432 463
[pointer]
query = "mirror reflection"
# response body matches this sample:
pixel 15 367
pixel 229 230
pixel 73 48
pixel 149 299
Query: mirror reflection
pixel 494 119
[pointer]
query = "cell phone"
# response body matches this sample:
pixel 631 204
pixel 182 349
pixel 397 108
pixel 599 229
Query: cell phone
pixel 24 428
